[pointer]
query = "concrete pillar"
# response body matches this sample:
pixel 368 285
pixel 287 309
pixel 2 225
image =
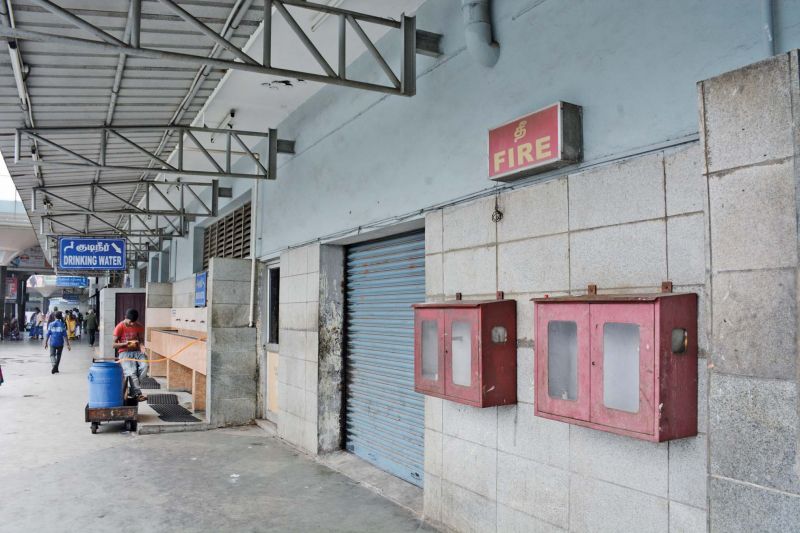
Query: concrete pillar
pixel 3 271
pixel 22 293
pixel 331 358
pixel 749 124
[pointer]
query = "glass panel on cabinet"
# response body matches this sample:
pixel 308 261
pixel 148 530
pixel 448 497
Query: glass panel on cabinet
pixel 621 366
pixel 562 359
pixel 461 343
pixel 430 350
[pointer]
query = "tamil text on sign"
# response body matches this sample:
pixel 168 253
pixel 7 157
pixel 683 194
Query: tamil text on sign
pixel 545 139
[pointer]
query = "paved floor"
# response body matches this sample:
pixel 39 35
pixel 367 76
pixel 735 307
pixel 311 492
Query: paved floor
pixel 56 476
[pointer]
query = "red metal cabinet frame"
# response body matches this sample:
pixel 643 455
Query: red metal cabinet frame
pixel 477 351
pixel 654 400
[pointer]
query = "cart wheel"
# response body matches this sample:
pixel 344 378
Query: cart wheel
pixel 95 425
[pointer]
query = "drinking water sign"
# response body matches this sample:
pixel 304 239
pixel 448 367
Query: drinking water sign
pixel 91 254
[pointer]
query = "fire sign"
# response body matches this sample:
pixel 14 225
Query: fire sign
pixel 545 139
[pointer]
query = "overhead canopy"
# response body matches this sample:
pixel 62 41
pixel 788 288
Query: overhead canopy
pixel 99 93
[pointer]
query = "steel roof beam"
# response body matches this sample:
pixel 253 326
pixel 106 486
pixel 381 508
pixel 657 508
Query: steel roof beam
pixel 107 152
pixel 424 43
pixel 208 32
pixel 55 191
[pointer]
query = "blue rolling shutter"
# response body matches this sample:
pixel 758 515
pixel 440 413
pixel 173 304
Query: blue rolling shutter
pixel 385 418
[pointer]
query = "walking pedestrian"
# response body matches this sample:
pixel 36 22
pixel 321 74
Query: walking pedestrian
pixel 41 319
pixel 72 324
pixel 129 341
pixel 91 325
pixel 56 337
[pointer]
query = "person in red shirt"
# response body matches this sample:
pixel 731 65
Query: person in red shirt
pixel 129 342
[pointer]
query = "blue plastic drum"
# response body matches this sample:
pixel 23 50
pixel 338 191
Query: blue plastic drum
pixel 105 384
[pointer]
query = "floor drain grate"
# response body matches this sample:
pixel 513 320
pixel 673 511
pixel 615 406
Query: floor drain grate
pixel 174 413
pixel 162 399
pixel 149 383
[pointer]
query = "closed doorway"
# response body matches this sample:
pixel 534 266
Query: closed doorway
pixel 384 416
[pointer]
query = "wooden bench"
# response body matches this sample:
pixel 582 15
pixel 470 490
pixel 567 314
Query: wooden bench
pixel 185 364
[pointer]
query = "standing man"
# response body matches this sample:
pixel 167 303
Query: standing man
pixel 91 326
pixel 129 340
pixel 56 337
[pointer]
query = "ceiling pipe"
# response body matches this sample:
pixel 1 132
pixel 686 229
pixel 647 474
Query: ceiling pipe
pixel 478 31
pixel 767 15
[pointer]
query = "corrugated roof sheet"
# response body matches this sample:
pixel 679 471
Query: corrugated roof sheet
pixel 72 87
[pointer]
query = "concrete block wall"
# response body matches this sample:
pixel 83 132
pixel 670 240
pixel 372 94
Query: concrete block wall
pixel 232 361
pixel 298 373
pixel 159 306
pixel 749 132
pixel 159 295
pixel 627 227
pixel 183 292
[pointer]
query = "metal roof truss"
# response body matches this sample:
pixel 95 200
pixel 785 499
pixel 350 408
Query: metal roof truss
pixel 72 150
pixel 402 82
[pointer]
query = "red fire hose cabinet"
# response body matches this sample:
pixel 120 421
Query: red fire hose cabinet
pixel 466 351
pixel 626 364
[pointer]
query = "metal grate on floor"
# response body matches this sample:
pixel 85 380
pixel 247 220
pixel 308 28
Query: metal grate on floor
pixel 149 383
pixel 174 413
pixel 162 399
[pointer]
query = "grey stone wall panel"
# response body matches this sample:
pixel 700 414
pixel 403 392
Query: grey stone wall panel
pixel 686 249
pixel 470 465
pixel 754 431
pixel 534 265
pixel 748 115
pixel 433 232
pixel 755 323
pixel 753 218
pixel 688 459
pixel 539 439
pixel 223 269
pixel 467 511
pixel 434 274
pixel 469 225
pixel 742 507
pixel 470 423
pixel 685 184
pixel 600 507
pixel 512 521
pixel 534 211
pixel 624 461
pixel 686 519
pixel 535 488
pixel 470 271
pixel 630 255
pixel 617 193
pixel 434 445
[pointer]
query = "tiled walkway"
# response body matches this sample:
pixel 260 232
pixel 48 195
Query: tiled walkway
pixel 56 476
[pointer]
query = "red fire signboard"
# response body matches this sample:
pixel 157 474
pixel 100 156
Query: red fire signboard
pixel 542 140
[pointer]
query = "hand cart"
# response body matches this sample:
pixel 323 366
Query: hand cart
pixel 126 413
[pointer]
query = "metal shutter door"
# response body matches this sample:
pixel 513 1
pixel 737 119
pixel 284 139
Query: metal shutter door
pixel 385 418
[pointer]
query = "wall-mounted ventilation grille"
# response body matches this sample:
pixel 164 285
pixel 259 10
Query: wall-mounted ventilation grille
pixel 228 237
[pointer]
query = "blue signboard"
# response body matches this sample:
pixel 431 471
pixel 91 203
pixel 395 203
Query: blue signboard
pixel 85 253
pixel 200 280
pixel 71 298
pixel 72 281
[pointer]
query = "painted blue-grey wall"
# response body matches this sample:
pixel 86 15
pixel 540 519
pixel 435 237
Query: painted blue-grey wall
pixel 633 66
